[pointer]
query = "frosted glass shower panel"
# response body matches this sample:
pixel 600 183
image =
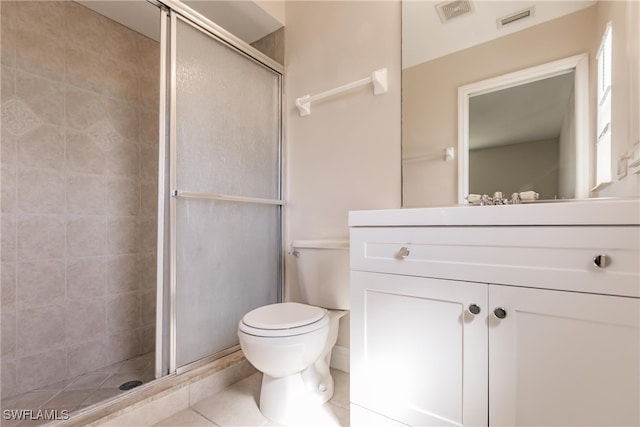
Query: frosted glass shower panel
pixel 227 264
pixel 228 118
pixel 227 142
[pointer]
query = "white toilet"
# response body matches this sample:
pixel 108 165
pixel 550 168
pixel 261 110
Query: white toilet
pixel 291 343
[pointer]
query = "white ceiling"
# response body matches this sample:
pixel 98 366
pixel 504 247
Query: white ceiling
pixel 519 114
pixel 244 19
pixel 425 37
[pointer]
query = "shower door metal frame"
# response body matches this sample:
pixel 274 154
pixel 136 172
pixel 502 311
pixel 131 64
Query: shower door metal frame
pixel 175 11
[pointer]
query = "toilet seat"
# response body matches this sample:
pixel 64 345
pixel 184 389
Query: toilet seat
pixel 284 320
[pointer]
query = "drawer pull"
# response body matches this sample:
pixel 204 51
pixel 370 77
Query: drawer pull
pixel 500 313
pixel 404 252
pixel 601 261
pixel 474 309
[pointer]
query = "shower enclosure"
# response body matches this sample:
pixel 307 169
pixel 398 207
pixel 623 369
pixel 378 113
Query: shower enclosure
pixel 141 201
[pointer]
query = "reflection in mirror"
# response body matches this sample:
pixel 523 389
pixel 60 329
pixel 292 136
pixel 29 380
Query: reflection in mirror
pixel 515 139
pixel 440 57
pixel 526 131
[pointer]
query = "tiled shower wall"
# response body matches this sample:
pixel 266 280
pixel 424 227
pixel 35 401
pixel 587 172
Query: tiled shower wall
pixel 79 192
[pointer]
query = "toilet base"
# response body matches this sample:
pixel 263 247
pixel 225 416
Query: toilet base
pixel 288 400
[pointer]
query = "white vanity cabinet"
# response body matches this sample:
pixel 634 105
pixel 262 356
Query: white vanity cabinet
pixel 456 323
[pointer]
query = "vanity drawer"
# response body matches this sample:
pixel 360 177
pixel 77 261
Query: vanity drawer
pixel 550 257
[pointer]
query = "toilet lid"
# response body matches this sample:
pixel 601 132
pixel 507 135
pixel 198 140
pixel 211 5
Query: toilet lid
pixel 286 315
pixel 282 320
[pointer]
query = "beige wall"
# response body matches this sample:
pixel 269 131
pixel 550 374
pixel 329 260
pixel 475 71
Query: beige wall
pixel 346 154
pixel 430 110
pixel 79 192
pixel 515 168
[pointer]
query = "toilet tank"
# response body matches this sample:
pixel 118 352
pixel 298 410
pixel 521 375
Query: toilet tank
pixel 323 272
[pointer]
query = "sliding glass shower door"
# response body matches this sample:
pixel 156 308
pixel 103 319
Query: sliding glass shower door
pixel 225 151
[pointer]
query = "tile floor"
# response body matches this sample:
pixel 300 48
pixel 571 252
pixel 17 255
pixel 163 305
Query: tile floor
pixel 85 390
pixel 237 405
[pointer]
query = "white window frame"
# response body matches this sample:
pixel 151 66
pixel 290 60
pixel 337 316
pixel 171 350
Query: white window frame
pixel 603 130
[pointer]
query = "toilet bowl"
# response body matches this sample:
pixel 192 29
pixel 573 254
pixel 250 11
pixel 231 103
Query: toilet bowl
pixel 291 342
pixel 293 356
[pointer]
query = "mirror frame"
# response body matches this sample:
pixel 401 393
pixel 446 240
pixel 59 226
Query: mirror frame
pixel 579 63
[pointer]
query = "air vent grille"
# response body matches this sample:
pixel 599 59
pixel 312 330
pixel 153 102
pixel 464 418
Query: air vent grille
pixel 453 9
pixel 515 17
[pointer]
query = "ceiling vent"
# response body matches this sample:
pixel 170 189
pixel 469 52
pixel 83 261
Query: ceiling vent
pixel 516 17
pixel 452 9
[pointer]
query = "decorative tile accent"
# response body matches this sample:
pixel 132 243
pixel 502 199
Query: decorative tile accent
pixel 17 118
pixel 104 134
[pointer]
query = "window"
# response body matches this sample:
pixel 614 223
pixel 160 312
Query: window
pixel 603 142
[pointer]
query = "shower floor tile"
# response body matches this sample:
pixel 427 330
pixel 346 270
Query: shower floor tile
pixel 80 392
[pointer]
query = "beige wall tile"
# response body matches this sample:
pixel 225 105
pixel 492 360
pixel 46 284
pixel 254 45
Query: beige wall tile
pixel 8 383
pixel 123 116
pixel 120 44
pixel 123 312
pixel 40 54
pixel 84 69
pixel 149 129
pixel 40 329
pixel 41 283
pixel 123 196
pixel 7 32
pixel 83 27
pixel 40 237
pixel 70 145
pixel 121 81
pixel 148 233
pixel 86 236
pixel 123 160
pixel 84 154
pixel 148 307
pixel 149 197
pixel 8 78
pixel 147 339
pixel 8 188
pixel 86 194
pixel 40 191
pixel 8 147
pixel 8 291
pixel 149 161
pixel 148 268
pixel 123 274
pixel 83 108
pixel 8 243
pixel 87 356
pixel 148 56
pixel 122 346
pixel 86 278
pixel 43 96
pixel 122 235
pixel 41 16
pixel 8 344
pixel 42 147
pixel 86 320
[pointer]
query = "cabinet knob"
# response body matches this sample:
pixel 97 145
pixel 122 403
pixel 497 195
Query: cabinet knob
pixel 601 261
pixel 500 313
pixel 474 309
pixel 403 252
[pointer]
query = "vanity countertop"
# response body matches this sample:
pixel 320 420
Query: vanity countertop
pixel 578 212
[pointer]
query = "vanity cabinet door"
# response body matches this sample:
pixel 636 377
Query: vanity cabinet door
pixel 563 358
pixel 418 354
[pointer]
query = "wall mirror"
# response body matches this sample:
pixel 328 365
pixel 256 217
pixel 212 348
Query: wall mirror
pixel 475 115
